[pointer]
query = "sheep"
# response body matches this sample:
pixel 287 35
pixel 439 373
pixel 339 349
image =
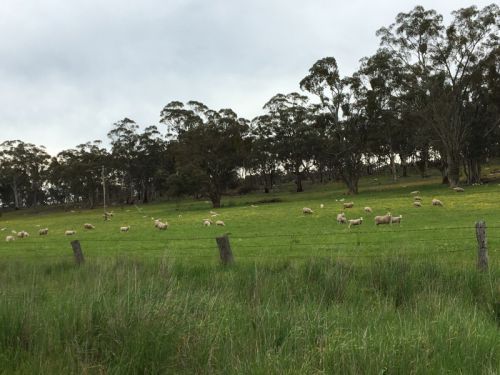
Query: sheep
pixel 348 204
pixel 88 226
pixel 207 223
pixel 458 189
pixel 396 219
pixel 162 226
pixel 213 213
pixel 417 198
pixel 321 205
pixel 437 202
pixel 386 219
pixel 341 219
pixel 13 231
pixel 23 234
pixel 3 229
pixel 355 221
pixel 10 238
pixel 368 210
pixel 43 231
pixel 415 192
pixel 125 229
pixel 70 232
pixel 158 222
pixel 220 223
pixel 307 211
pixel 417 204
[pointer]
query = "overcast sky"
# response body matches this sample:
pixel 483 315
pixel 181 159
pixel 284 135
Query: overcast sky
pixel 69 69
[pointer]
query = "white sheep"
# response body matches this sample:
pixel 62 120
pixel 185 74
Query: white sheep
pixel 307 211
pixel 125 229
pixel 415 192
pixel 417 204
pixel 43 231
pixel 162 226
pixel 10 238
pixel 70 232
pixel 220 223
pixel 458 189
pixel 213 213
pixel 88 226
pixel 23 234
pixel 348 204
pixel 437 202
pixel 396 219
pixel 368 210
pixel 207 223
pixel 341 219
pixel 13 231
pixel 355 221
pixel 3 229
pixel 386 219
pixel 321 205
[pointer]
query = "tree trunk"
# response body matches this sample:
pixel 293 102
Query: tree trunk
pixel 394 171
pixel 215 198
pixel 298 182
pixel 16 193
pixel 472 168
pixel 351 182
pixel 453 170
pixel 404 165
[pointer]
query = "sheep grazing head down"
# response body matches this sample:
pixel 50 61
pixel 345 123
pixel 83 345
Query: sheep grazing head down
pixel 307 211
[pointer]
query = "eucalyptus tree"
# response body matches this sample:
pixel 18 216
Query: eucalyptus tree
pixel 341 108
pixel 208 145
pixel 263 157
pixel 444 59
pixel 23 169
pixel 292 125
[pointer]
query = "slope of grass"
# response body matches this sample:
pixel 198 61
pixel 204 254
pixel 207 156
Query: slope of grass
pixel 305 295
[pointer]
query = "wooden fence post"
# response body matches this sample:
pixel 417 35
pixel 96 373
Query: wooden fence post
pixel 226 255
pixel 77 251
pixel 482 252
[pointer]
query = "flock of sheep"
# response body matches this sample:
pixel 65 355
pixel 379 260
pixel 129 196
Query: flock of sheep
pixel 341 218
pixel 158 223
pixel 379 220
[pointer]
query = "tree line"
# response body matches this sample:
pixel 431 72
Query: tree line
pixel 431 93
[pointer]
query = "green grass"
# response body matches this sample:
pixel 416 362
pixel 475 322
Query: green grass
pixel 305 295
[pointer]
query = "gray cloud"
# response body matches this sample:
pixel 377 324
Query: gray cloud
pixel 69 69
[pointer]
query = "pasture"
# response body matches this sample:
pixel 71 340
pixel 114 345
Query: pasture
pixel 305 295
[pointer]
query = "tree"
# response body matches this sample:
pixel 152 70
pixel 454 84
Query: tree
pixel 209 144
pixel 22 168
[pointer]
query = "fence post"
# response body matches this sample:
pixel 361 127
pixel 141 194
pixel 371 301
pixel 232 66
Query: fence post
pixel 77 251
pixel 226 255
pixel 482 252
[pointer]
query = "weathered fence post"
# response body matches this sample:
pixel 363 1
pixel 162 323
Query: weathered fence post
pixel 482 252
pixel 226 255
pixel 77 251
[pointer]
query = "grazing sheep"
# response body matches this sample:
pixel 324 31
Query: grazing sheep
pixel 437 202
pixel 417 204
pixel 125 229
pixel 70 232
pixel 307 210
pixel 368 209
pixel 458 189
pixel 23 234
pixel 417 198
pixel 386 219
pixel 3 229
pixel 355 221
pixel 348 204
pixel 88 226
pixel 207 223
pixel 415 192
pixel 10 238
pixel 396 219
pixel 213 213
pixel 161 226
pixel 341 219
pixel 43 232
pixel 220 223
pixel 13 232
pixel 321 205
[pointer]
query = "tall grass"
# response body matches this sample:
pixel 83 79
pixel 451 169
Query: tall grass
pixel 131 315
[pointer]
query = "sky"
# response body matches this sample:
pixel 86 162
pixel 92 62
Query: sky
pixel 69 69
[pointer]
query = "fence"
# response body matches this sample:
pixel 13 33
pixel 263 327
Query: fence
pixel 244 244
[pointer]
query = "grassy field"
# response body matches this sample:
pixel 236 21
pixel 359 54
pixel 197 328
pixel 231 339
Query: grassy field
pixel 305 294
